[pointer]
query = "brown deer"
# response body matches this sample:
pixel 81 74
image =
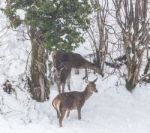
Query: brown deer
pixel 61 77
pixel 64 62
pixel 65 102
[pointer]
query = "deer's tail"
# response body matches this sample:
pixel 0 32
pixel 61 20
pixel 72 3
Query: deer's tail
pixel 56 104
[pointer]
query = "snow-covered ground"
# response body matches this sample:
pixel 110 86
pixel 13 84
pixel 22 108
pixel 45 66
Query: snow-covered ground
pixel 112 110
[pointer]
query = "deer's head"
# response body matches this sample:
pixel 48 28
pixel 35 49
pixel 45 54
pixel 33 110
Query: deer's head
pixel 91 87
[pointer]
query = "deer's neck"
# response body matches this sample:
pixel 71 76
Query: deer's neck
pixel 87 93
pixel 89 65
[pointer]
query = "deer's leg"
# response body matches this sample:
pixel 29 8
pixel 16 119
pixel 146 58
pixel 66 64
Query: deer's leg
pixel 68 79
pixel 57 79
pixel 68 84
pixel 63 87
pixel 57 113
pixel 63 111
pixel 86 75
pixel 59 87
pixel 58 82
pixel 79 113
pixel 68 113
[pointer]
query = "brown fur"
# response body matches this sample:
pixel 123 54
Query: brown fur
pixel 65 102
pixel 64 62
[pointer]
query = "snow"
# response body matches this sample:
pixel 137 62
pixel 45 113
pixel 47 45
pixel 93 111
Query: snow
pixel 21 14
pixel 112 110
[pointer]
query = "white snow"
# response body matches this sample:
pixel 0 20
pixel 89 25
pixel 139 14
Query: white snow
pixel 21 14
pixel 112 110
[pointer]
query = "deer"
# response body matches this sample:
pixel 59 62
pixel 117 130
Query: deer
pixel 64 62
pixel 61 77
pixel 67 101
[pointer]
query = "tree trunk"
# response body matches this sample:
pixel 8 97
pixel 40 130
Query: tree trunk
pixel 133 67
pixel 132 80
pixel 39 83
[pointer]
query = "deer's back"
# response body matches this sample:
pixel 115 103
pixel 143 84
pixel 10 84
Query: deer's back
pixel 71 100
pixel 68 59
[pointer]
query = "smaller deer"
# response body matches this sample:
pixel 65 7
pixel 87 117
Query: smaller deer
pixel 61 77
pixel 65 102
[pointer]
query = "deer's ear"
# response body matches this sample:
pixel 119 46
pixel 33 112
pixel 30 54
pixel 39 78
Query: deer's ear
pixel 95 80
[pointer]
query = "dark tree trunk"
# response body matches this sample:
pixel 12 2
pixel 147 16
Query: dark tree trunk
pixel 131 83
pixel 133 72
pixel 39 83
